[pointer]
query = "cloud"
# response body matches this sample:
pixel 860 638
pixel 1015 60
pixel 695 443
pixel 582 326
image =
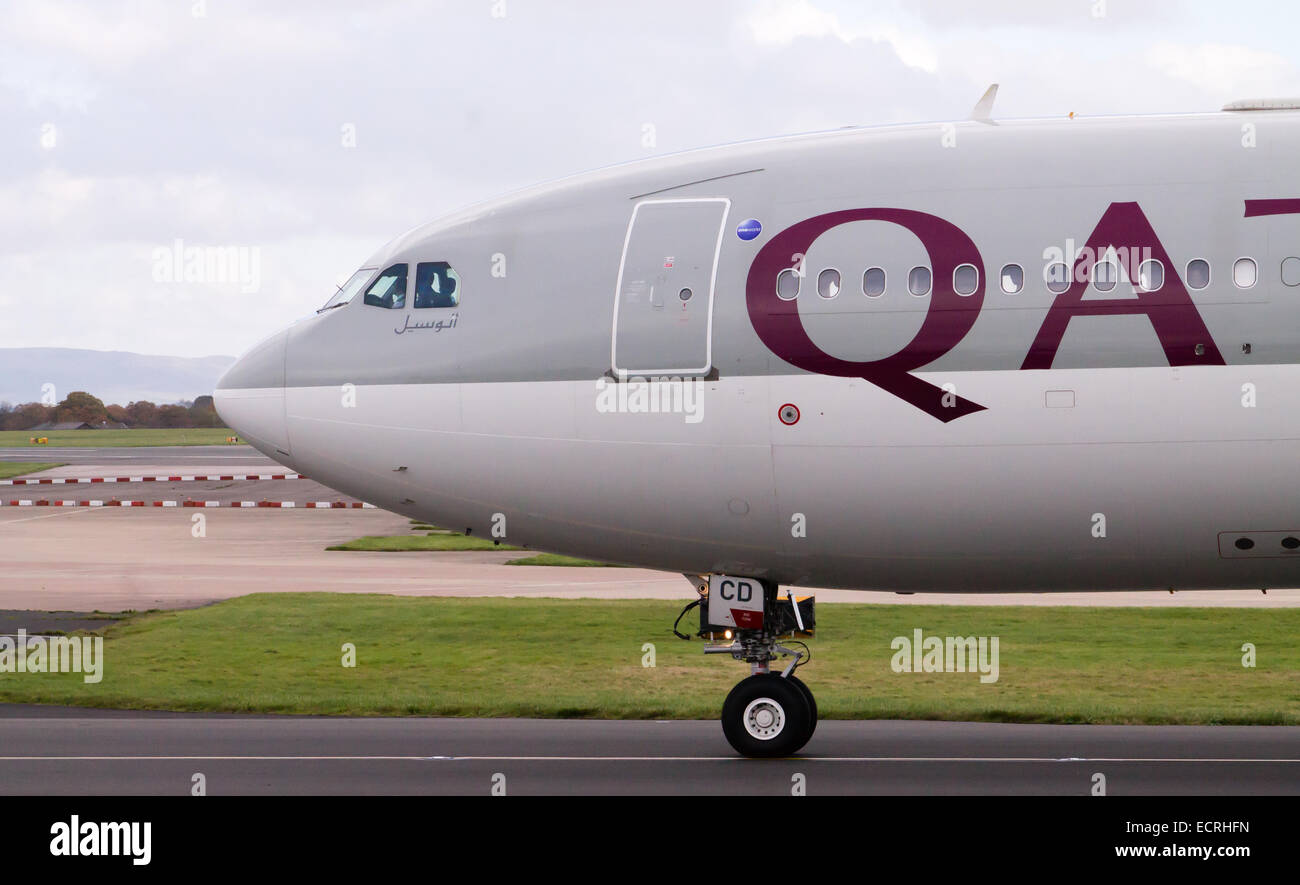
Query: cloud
pixel 227 129
pixel 781 23
pixel 1226 70
pixel 94 33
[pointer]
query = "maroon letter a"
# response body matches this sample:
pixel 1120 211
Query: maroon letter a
pixel 1170 309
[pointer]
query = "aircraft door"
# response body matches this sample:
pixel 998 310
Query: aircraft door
pixel 663 306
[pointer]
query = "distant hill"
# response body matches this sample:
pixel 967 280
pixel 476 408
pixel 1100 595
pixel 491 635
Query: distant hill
pixel 114 376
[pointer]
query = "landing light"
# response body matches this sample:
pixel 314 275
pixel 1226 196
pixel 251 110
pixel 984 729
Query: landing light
pixel 726 635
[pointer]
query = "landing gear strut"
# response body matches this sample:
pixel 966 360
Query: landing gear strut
pixel 771 713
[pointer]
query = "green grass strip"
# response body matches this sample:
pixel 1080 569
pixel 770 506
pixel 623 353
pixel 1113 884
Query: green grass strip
pixel 282 653
pixel 412 543
pixel 143 436
pixel 10 469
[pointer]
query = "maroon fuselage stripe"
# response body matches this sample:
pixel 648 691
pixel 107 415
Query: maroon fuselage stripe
pixel 1272 207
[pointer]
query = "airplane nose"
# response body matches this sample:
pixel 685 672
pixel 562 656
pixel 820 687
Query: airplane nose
pixel 250 397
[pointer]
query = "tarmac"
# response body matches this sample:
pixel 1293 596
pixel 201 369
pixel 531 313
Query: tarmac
pixel 228 456
pixel 62 751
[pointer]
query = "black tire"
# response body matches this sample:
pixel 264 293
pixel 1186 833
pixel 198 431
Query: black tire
pixel 812 705
pixel 766 716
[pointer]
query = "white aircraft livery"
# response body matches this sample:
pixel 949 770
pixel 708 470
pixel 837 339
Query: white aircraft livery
pixel 1043 355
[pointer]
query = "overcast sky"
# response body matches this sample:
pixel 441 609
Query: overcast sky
pixel 310 133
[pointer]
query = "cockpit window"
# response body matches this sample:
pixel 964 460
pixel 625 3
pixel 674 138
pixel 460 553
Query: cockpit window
pixel 390 289
pixel 349 290
pixel 436 285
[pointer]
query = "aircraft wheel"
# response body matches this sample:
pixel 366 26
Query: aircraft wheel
pixel 767 715
pixel 812 704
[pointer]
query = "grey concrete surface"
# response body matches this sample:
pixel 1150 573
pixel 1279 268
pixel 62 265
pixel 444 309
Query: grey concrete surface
pixel 234 456
pixel 54 751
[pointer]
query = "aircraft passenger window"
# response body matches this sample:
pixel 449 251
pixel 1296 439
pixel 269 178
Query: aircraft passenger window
pixel 828 283
pixel 965 279
pixel 389 290
pixel 1057 276
pixel 1104 275
pixel 873 282
pixel 349 289
pixel 1013 278
pixel 918 281
pixel 1151 275
pixel 1198 273
pixel 787 285
pixel 1244 273
pixel 1291 271
pixel 436 285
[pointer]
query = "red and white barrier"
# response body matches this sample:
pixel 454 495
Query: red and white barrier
pixel 231 477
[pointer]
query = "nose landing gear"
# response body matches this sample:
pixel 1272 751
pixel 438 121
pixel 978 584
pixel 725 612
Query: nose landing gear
pixel 770 713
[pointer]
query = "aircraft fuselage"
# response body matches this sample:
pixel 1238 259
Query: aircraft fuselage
pixel 856 391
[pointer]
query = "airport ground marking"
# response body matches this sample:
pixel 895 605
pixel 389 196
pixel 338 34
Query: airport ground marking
pixel 93 480
pixel 45 516
pixel 851 759
pixel 115 502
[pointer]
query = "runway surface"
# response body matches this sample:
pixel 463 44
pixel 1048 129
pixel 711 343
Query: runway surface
pixel 223 492
pixel 122 456
pixel 57 751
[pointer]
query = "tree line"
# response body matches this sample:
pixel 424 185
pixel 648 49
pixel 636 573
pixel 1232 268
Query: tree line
pixel 81 406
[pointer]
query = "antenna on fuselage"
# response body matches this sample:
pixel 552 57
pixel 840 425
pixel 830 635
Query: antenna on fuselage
pixel 983 110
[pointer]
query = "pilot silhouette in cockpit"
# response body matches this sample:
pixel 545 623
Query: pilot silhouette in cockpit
pixel 438 289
